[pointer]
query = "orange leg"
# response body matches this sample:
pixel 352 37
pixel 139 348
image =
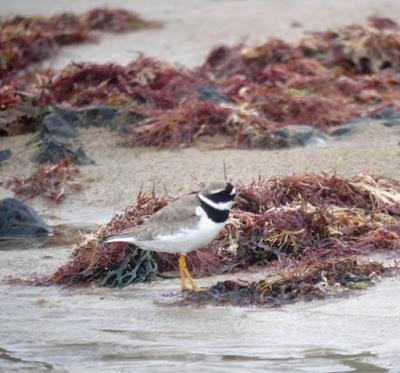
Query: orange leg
pixel 182 263
pixel 184 270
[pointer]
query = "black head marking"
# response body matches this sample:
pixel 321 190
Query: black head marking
pixel 216 194
pixel 219 192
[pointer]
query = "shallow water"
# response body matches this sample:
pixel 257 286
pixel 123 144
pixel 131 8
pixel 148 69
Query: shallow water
pixel 137 328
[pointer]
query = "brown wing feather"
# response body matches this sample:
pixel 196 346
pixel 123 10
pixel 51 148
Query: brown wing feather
pixel 177 215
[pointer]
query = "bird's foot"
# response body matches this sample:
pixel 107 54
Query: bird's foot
pixel 183 285
pixel 194 286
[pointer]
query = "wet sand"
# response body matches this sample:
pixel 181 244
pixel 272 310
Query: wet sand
pixel 102 330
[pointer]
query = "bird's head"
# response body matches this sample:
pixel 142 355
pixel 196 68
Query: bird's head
pixel 219 195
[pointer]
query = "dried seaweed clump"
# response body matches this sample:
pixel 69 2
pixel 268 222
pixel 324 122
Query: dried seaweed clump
pixel 8 97
pixel 146 82
pixel 363 49
pixel 115 20
pixel 301 221
pixel 355 48
pixel 325 80
pixel 182 126
pixel 94 261
pixel 307 282
pixel 240 95
pixel 295 216
pixel 119 264
pixel 177 105
pixel 26 40
pixel 318 227
pixel 48 181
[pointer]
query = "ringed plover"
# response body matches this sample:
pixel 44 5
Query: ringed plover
pixel 187 224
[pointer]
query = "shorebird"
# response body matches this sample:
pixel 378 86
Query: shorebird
pixel 187 224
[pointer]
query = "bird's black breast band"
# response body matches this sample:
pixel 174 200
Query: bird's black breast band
pixel 217 216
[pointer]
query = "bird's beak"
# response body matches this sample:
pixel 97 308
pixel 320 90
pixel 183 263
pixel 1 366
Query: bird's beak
pixel 239 199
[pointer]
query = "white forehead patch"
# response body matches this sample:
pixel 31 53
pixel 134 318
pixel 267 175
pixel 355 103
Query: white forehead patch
pixel 215 191
pixel 233 191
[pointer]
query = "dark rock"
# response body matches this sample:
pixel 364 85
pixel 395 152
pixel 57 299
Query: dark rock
pixel 344 130
pixel 349 128
pixel 388 113
pixel 56 138
pixel 292 135
pixel 101 113
pixel 59 127
pixel 70 115
pixel 103 116
pixel 99 116
pixel 52 150
pixel 18 220
pixel 55 125
pixel 5 154
pixel 211 93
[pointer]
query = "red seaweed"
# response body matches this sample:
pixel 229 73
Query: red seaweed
pixel 115 20
pixel 8 97
pixel 182 126
pixel 25 40
pixel 320 81
pixel 145 81
pixel 240 95
pixel 48 181
pixel 299 220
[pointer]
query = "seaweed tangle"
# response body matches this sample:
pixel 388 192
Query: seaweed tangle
pixel 240 95
pixel 139 266
pixel 48 181
pixel 307 282
pixel 290 222
pixel 26 40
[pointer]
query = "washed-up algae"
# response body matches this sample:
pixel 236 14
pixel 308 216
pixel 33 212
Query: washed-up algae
pixel 50 181
pixel 308 229
pixel 26 40
pixel 311 281
pixel 242 94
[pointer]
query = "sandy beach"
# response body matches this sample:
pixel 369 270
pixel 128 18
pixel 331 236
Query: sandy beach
pixel 103 330
pixel 121 172
pixel 191 30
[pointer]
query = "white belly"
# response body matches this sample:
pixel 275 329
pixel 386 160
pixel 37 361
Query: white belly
pixel 185 240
